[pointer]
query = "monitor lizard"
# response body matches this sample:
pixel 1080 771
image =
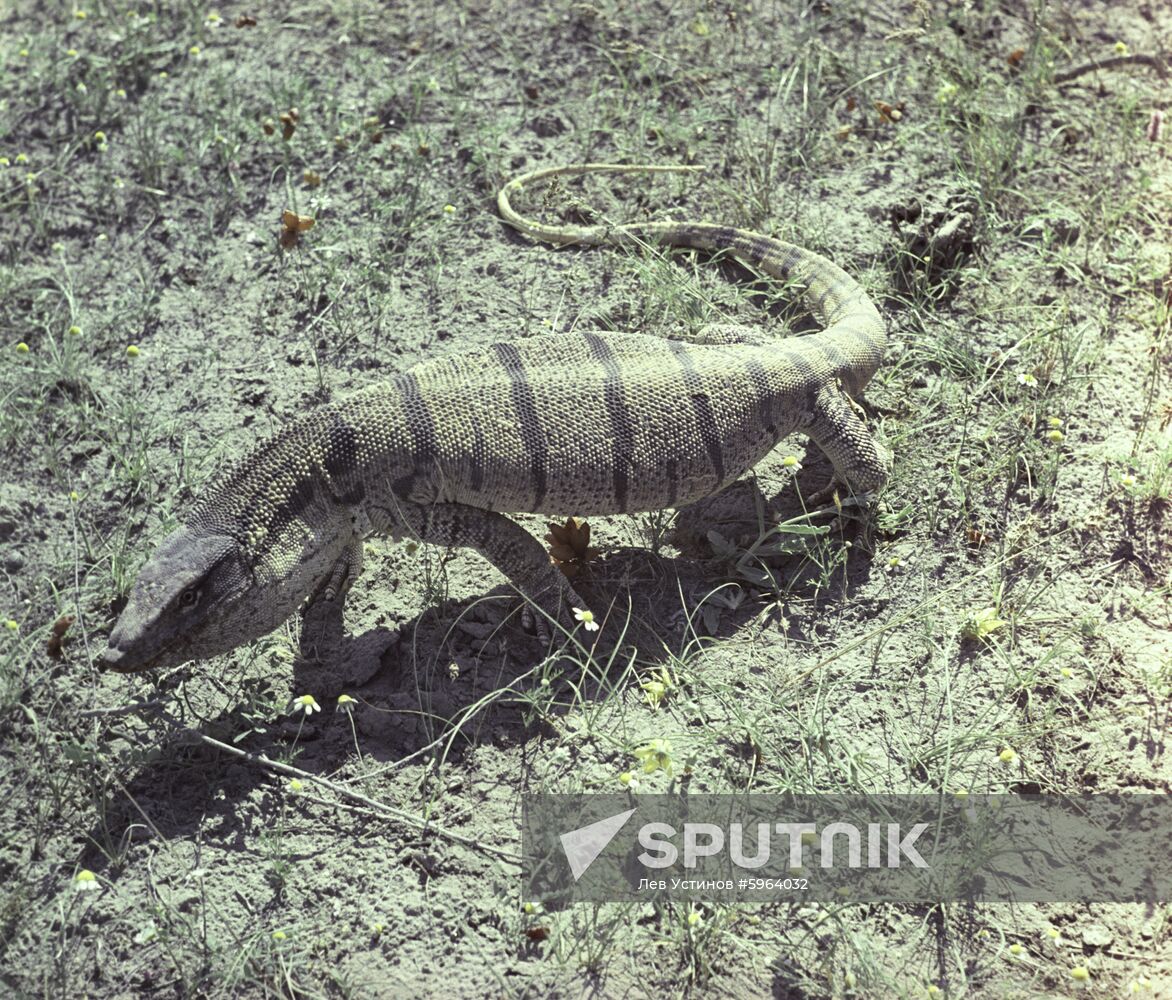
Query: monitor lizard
pixel 591 422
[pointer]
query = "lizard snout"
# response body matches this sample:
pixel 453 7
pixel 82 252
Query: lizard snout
pixel 115 659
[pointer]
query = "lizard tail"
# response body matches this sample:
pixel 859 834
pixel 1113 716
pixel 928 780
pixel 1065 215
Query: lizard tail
pixel 850 318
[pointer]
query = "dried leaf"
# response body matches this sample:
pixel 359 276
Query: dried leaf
pixel 57 635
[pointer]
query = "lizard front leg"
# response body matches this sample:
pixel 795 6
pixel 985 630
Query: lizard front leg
pixel 860 461
pixel 337 661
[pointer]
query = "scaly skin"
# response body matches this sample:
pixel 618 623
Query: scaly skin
pixel 583 423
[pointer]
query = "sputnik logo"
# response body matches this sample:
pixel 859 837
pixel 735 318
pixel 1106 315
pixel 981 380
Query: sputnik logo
pixel 583 845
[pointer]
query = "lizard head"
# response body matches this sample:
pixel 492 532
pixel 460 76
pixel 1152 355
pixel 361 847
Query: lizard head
pixel 185 605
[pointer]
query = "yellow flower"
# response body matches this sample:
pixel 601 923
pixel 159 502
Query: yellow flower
pixel 5 162
pixel 1127 480
pixel 279 935
pixel 132 351
pixel 72 53
pixel 658 687
pixel 1016 950
pixel 655 692
pixel 1080 974
pixel 656 756
pixel 1007 756
pixel 791 462
pixel 99 136
pixel 79 14
pixel 695 918
pixel 449 209
pixel 1121 48
pixel 23 53
pixel 194 50
pixel 1027 379
pixel 981 623
pixel 345 701
pixel 22 158
pixel 628 780
pixel 12 624
pixel 22 348
pixel 1055 436
pixel 74 496
pixel 212 17
pixel 296 785
pixel 75 331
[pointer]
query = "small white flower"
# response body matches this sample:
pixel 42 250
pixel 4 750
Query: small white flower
pixel 86 881
pixel 586 618
pixel 1027 379
pixel 306 703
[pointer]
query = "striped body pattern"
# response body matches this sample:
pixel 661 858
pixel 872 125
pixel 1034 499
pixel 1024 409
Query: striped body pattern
pixel 578 423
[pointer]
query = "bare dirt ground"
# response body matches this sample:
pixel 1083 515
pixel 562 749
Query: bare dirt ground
pixel 997 621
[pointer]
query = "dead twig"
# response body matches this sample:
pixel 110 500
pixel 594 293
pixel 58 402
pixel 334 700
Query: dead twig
pixel 1114 62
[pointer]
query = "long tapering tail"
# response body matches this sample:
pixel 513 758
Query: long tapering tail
pixel 850 318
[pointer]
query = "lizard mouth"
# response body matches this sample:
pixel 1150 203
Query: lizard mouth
pixel 122 661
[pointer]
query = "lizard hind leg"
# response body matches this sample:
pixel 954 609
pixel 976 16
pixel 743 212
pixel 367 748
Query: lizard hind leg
pixel 505 544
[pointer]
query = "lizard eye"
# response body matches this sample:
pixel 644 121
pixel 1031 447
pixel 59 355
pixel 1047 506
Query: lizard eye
pixel 189 598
